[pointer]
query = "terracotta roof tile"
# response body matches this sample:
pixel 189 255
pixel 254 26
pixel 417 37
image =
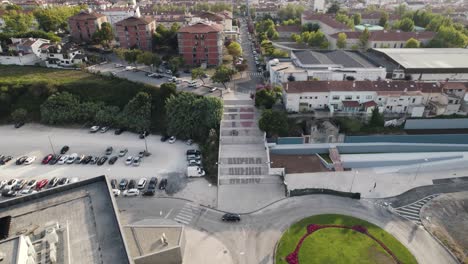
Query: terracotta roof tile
pixel 350 103
pixel 201 27
pixel 326 19
pixel 290 28
pixel 134 21
pixel 83 15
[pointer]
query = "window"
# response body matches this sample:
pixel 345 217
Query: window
pixel 358 97
pixel 401 45
pixel 450 101
pixel 375 45
pixel 348 97
pixel 380 99
pixel 194 49
pixel 394 45
pixel 300 97
pixel 336 97
pixel 316 97
pixel 368 96
pixel 414 100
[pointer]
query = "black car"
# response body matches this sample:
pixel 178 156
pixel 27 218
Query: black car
pixel 109 150
pixel 143 134
pixel 231 217
pixel 64 149
pixel 86 160
pixel 8 193
pixel 93 160
pixel 113 160
pixel 5 159
pixel 150 191
pixel 53 182
pixel 21 160
pixel 19 124
pixel 119 131
pixel 153 181
pixel 102 160
pixel 123 184
pixel 113 183
pixel 164 138
pixel 55 159
pixel 186 70
pixel 131 184
pixel 63 181
pixel 163 184
pixel 193 152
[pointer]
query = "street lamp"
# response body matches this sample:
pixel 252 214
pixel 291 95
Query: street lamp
pixel 419 167
pixel 52 146
pixel 147 153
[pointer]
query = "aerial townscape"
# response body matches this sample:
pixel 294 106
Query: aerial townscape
pixel 233 131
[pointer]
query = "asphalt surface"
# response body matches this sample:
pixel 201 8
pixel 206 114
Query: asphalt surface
pixel 253 240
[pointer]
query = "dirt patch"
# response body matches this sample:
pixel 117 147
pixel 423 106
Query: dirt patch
pixel 297 163
pixel 446 217
pixel 379 256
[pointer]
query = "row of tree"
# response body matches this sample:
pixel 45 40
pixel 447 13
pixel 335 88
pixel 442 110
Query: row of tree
pixel 315 39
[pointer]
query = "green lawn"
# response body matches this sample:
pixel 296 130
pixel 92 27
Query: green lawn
pixel 334 245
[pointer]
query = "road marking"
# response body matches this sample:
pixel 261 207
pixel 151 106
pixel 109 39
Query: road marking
pixel 185 214
pixel 181 221
pixel 167 215
pixel 184 217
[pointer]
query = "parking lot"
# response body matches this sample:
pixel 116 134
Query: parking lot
pixel 140 76
pixel 166 160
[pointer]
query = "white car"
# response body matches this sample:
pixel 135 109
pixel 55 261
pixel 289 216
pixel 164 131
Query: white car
pixel 130 68
pixel 129 160
pixel 136 161
pixel 63 159
pixel 94 129
pixel 131 192
pixel 194 162
pixel 74 179
pixel 26 191
pixel 117 65
pixel 172 140
pixel 3 183
pixel 71 159
pixel 212 90
pixel 142 183
pixel 10 184
pixel 30 160
pixel 116 192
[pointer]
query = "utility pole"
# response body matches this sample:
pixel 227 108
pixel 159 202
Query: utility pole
pixel 52 146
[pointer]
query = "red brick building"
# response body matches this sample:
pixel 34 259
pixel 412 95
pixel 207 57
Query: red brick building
pixel 201 43
pixel 84 24
pixel 136 32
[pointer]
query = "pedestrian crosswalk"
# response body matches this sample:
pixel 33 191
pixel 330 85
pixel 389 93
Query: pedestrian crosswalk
pixel 187 213
pixel 255 74
pixel 411 211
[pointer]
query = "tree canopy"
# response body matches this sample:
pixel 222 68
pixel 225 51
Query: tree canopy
pixel 198 73
pixel 266 98
pixel 136 115
pixel 52 19
pixel 223 75
pixel 235 49
pixel 274 122
pixel 104 35
pixel 17 22
pixel 412 43
pixel 334 8
pixel 341 42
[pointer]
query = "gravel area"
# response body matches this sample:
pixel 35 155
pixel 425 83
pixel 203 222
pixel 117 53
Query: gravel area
pixel 297 163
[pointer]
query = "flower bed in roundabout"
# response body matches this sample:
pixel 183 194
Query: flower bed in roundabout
pixel 339 239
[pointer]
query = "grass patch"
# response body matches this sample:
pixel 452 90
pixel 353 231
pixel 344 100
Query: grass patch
pixel 340 245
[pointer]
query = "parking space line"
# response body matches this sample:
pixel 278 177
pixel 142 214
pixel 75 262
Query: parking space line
pixel 167 215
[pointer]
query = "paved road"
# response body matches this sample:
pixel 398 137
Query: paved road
pixel 253 239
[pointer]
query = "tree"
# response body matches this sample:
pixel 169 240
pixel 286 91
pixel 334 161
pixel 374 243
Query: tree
pixel 145 58
pixel 60 108
pixel 357 19
pixel 223 75
pixel 334 8
pixel 19 115
pixel 377 119
pixel 235 49
pixel 274 122
pixel 193 116
pixel 198 73
pixel 412 43
pixel 267 97
pixel 53 19
pixel 175 63
pixel 107 115
pixel 406 24
pixel 128 55
pixel 311 27
pixel 449 37
pixel 104 35
pixel 136 115
pixel 383 21
pixel 16 22
pixel 364 38
pixel 341 42
pixel 86 111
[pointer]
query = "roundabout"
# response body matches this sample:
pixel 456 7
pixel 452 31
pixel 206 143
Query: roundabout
pixel 331 238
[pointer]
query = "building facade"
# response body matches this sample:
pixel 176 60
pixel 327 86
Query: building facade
pixel 136 32
pixel 201 43
pixel 83 25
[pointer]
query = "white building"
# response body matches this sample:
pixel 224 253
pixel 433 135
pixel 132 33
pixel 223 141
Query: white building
pixel 396 97
pixel 62 56
pixel 22 51
pixel 116 14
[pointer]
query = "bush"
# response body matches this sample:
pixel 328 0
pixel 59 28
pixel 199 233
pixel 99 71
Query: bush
pixel 19 115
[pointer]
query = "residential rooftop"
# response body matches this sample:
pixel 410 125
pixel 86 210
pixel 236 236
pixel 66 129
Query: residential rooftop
pixel 348 59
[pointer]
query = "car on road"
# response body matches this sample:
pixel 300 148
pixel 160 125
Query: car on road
pixel 112 160
pixel 94 129
pixel 164 138
pixel 231 217
pixel 19 124
pixel 172 140
pixel 141 154
pixel 64 149
pixel 214 89
pixel 123 152
pixel 63 181
pixel 143 134
pixel 116 192
pixel 113 183
pixel 109 150
pixel 129 160
pixel 63 159
pixel 41 184
pixel 193 152
pixel 163 184
pixel 47 159
pixel 119 131
pixel 71 159
pixel 131 184
pixel 136 161
pixel 169 72
pixel 29 160
pixel 130 68
pixel 123 184
pixel 21 160
pixel 53 182
pixel 104 129
pixel 131 192
pixel 117 65
pixel 102 160
pixel 142 183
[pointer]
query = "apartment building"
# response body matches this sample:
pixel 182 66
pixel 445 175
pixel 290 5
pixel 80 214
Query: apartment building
pixel 136 32
pixel 84 24
pixel 327 23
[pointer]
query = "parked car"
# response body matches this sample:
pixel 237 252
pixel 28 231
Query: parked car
pixel 123 184
pixel 63 181
pixel 19 124
pixel 29 160
pixel 19 185
pixel 194 162
pixel 26 191
pixel 109 150
pixel 41 184
pixel 141 154
pixel 117 65
pixel 63 159
pixel 193 152
pixel 164 138
pixel 104 129
pixel 193 157
pixel 172 140
pixel 55 159
pixel 189 142
pixel 212 90
pixel 8 193
pixel 10 184
pixel 102 160
pixel 136 161
pixel 80 159
pixel 53 182
pixel 231 217
pixel 150 191
pixel 119 131
pixel 142 183
pixel 123 152
pixel 6 159
pixel 112 160
pixel 94 129
pixel 143 134
pixel 21 160
pixel 153 182
pixel 93 160
pixel 131 192
pixel 47 159
pixel 163 184
pixel 31 183
pixel 116 192
pixel 71 159
pixel 3 184
pixel 64 149
pixel 129 160
pixel 131 184
pixel 113 183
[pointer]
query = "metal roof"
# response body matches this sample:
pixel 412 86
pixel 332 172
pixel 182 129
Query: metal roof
pixel 452 123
